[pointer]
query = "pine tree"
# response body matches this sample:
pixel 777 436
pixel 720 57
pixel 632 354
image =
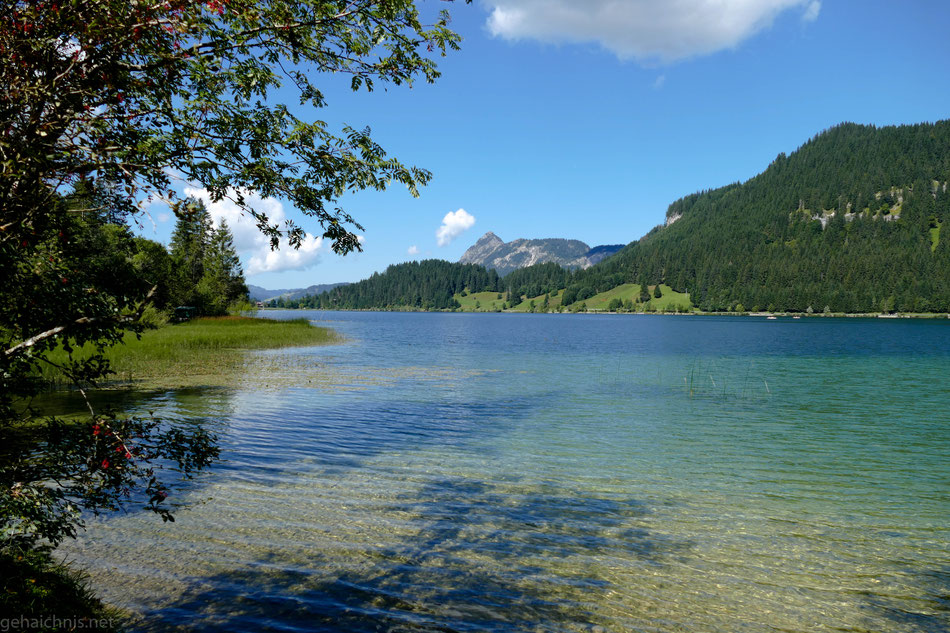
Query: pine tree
pixel 190 240
pixel 222 281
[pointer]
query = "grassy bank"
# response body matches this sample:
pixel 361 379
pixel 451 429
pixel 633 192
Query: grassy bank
pixel 200 352
pixel 40 594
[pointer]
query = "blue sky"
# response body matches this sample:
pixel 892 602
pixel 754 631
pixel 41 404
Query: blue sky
pixel 584 120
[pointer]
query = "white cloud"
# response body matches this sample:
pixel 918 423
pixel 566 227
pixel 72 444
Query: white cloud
pixel 413 250
pixel 811 13
pixel 453 224
pixel 164 217
pixel 646 30
pixel 252 246
pixel 659 82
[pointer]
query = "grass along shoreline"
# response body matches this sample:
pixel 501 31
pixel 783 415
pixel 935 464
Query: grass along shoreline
pixel 209 351
pixel 42 594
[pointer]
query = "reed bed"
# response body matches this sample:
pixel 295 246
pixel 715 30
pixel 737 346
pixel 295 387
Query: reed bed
pixel 205 351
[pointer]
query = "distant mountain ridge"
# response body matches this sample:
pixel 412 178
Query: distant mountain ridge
pixel 257 293
pixel 491 251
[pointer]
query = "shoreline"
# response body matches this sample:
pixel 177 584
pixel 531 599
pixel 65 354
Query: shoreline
pixel 777 315
pixel 203 352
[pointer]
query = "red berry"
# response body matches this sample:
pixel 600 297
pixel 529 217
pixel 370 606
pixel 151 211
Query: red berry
pixel 105 463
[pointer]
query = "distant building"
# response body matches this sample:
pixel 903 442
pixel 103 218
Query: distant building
pixel 184 313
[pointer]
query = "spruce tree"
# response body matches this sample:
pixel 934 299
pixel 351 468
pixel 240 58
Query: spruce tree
pixel 222 281
pixel 190 240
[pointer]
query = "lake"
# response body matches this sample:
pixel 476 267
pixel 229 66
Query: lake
pixel 505 472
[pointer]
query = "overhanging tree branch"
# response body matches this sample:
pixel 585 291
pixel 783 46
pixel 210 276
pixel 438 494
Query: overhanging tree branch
pixel 24 346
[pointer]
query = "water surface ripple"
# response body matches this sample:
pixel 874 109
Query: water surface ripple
pixel 480 472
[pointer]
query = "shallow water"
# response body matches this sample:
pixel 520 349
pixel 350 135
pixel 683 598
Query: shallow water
pixel 494 472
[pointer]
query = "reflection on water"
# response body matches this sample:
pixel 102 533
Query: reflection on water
pixel 543 473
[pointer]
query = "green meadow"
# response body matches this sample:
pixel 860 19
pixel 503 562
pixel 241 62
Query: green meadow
pixel 669 301
pixel 481 301
pixel 625 292
pixel 554 301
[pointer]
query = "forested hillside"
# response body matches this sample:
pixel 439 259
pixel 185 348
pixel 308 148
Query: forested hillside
pixel 850 222
pixel 426 285
pixel 432 285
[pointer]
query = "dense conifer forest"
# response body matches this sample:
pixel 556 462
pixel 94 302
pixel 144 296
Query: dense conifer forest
pixel 427 285
pixel 853 222
pixel 432 285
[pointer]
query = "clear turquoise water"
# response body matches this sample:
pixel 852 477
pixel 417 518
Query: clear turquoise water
pixel 483 472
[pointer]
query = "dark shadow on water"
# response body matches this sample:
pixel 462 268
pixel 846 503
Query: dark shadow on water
pixel 931 603
pixel 484 558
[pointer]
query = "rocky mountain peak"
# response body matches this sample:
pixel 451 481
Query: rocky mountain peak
pixel 490 251
pixel 489 238
pixel 480 251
